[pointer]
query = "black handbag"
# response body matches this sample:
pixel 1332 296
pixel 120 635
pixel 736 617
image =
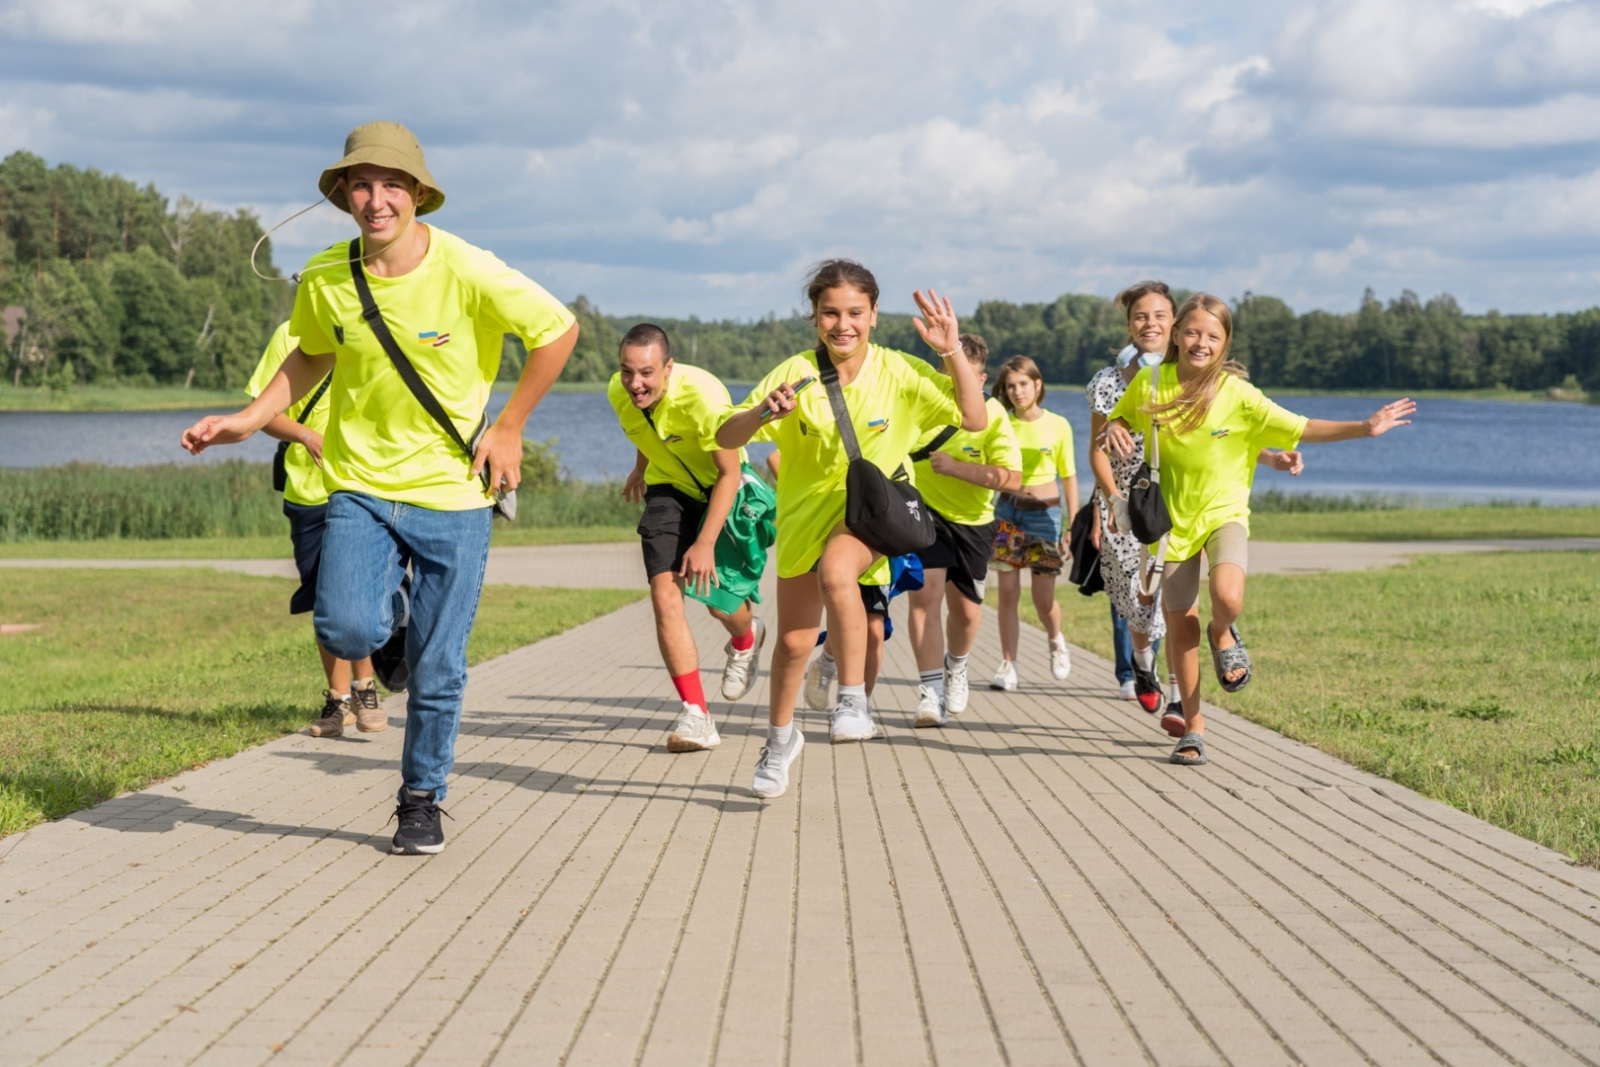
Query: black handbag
pixel 1085 572
pixel 280 470
pixel 886 514
pixel 1147 509
pixel 505 504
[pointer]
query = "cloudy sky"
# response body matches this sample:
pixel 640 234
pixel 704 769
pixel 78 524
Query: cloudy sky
pixel 693 157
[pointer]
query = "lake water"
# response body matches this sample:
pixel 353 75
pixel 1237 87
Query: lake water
pixel 1470 450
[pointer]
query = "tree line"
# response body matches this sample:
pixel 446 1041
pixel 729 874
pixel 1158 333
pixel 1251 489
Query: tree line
pixel 119 285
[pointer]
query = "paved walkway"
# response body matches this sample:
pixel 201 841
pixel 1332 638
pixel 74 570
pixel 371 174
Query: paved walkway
pixel 619 566
pixel 1033 885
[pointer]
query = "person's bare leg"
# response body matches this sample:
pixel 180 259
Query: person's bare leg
pixel 874 663
pixel 672 626
pixel 1227 604
pixel 843 562
pixel 1010 624
pixel 736 624
pixel 1183 650
pixel 922 620
pixel 1044 602
pixel 799 620
pixel 338 671
pixel 361 670
pixel 965 618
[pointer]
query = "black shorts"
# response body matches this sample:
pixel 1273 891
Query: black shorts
pixel 306 523
pixel 668 529
pixel 963 551
pixel 875 598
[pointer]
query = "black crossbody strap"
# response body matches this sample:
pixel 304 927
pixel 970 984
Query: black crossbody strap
pixel 841 412
pixel 408 373
pixel 934 445
pixel 316 396
pixel 675 456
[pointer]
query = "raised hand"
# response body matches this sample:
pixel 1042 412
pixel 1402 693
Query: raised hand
pixel 779 402
pixel 1389 416
pixel 941 332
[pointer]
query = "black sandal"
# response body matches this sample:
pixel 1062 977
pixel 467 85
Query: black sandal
pixel 1194 741
pixel 1233 658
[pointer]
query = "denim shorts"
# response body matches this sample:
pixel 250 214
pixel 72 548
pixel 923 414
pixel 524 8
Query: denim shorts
pixel 306 523
pixel 1045 524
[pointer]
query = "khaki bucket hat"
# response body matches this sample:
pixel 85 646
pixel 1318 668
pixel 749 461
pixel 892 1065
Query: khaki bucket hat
pixel 382 144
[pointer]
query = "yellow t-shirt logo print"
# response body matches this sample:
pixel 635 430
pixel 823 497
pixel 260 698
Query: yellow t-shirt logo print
pixel 434 338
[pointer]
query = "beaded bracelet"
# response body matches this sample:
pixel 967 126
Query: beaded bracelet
pixel 953 353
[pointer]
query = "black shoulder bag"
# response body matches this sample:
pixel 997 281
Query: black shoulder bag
pixel 934 445
pixel 1148 515
pixel 887 514
pixel 505 504
pixel 280 472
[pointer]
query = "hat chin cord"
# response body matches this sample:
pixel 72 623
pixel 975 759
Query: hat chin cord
pixel 294 279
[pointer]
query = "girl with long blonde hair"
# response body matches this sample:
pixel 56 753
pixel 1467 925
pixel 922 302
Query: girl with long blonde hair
pixel 1210 424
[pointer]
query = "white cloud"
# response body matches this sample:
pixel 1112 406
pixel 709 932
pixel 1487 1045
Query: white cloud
pixel 694 157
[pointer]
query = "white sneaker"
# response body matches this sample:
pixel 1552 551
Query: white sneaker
pixel 851 722
pixel 930 709
pixel 820 677
pixel 1006 677
pixel 1128 692
pixel 742 668
pixel 772 769
pixel 1060 658
pixel 695 731
pixel 955 688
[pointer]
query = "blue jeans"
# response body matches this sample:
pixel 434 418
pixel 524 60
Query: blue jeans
pixel 1122 640
pixel 365 549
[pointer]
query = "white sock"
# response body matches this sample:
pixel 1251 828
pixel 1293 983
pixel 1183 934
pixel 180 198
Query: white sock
pixel 857 693
pixel 954 663
pixel 1145 657
pixel 781 734
pixel 827 657
pixel 1172 684
pixel 934 680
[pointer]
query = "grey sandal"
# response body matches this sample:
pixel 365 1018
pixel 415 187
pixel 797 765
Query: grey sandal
pixel 1233 658
pixel 1194 741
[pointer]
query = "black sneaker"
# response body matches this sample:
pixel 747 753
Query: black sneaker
pixel 421 832
pixel 1147 688
pixel 389 664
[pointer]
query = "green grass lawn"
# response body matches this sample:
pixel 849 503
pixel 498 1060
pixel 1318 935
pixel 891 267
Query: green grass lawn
pixel 137 675
pixel 1426 524
pixel 278 547
pixel 1474 680
pixel 121 398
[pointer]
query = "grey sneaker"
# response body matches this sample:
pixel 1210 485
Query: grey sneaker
pixel 370 718
pixel 851 722
pixel 955 688
pixel 930 709
pixel 820 677
pixel 331 722
pixel 772 769
pixel 742 668
pixel 695 731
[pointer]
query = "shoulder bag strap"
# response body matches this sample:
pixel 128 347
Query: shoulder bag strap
pixel 677 457
pixel 408 373
pixel 841 413
pixel 934 445
pixel 316 396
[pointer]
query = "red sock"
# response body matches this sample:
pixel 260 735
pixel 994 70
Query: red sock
pixel 689 691
pixel 745 641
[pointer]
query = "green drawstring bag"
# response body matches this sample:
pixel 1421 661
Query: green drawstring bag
pixel 742 546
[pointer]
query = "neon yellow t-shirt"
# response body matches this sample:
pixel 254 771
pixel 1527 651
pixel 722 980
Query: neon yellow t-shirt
pixel 686 421
pixel 995 446
pixel 1206 473
pixel 450 316
pixel 304 485
pixel 1046 445
pixel 891 406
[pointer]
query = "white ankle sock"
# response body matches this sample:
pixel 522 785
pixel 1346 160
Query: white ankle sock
pixel 934 680
pixel 857 693
pixel 1145 657
pixel 781 734
pixel 954 662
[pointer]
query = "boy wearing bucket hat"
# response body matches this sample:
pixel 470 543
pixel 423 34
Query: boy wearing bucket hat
pixel 402 490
